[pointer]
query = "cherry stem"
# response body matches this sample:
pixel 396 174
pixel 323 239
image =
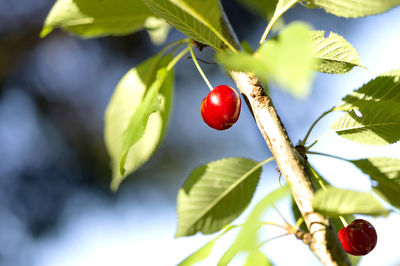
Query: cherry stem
pixel 177 58
pixel 199 68
pixel 303 142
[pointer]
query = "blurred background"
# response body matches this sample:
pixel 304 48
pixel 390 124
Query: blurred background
pixel 55 204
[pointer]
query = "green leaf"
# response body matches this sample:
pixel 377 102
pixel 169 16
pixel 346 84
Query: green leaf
pixel 256 257
pixel 286 61
pixel 354 8
pixel 94 18
pixel 199 255
pixel 158 29
pixel 386 173
pixel 215 194
pixel 127 98
pixel 263 8
pixel 200 20
pixel 138 122
pixel 243 61
pixel 247 237
pixel 335 55
pixel 289 59
pixel 378 125
pixel 204 251
pixel 335 201
pixel 385 87
pixel 379 103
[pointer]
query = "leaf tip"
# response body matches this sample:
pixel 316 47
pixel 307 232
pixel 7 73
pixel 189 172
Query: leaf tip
pixel 179 233
pixel 115 184
pixel 45 31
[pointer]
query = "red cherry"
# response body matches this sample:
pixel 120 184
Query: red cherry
pixel 358 238
pixel 220 109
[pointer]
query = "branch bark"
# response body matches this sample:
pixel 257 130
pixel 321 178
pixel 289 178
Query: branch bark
pixel 293 167
pixel 324 242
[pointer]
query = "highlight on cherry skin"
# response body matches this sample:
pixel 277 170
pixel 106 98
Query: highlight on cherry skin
pixel 358 238
pixel 220 109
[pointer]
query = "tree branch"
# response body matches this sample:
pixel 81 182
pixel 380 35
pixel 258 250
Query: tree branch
pixel 324 242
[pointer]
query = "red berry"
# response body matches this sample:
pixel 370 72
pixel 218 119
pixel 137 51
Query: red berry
pixel 220 109
pixel 358 238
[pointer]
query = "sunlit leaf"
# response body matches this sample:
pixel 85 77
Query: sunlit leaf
pixel 289 59
pixel 127 98
pixel 215 194
pixel 379 123
pixel 247 237
pixel 354 8
pixel 94 18
pixel 256 257
pixel 385 87
pixel 386 173
pixel 335 201
pixel 286 61
pixel 335 55
pixel 200 20
pixel 199 255
pixel 243 61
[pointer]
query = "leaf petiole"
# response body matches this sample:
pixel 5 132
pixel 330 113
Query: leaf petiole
pixel 303 142
pixel 177 58
pixel 328 155
pixel 174 44
pixel 317 140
